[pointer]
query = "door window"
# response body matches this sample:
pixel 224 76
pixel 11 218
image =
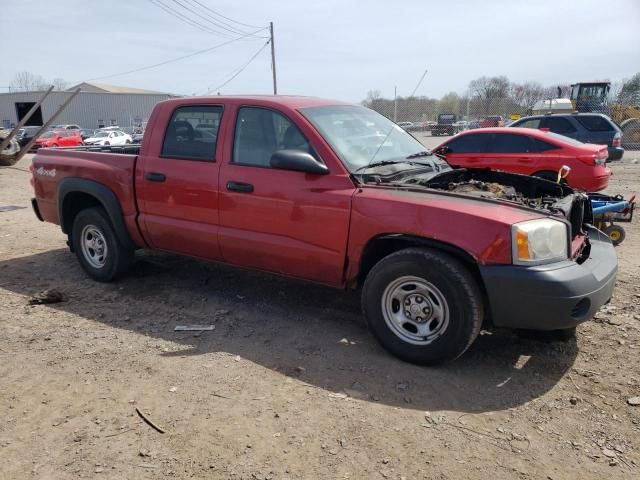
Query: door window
pixel 471 143
pixel 509 143
pixel 531 123
pixel 594 123
pixel 260 132
pixel 192 133
pixel 541 145
pixel 559 125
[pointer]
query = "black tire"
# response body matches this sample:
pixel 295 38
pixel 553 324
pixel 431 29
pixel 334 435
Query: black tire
pixel 615 233
pixel 452 281
pixel 116 259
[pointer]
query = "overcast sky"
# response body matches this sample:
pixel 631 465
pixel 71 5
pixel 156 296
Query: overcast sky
pixel 331 48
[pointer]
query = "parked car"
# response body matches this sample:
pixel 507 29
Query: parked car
pixel 109 137
pixel 405 125
pixel 58 138
pixel 25 134
pixel 284 187
pixel 86 133
pixel 530 152
pixel 136 138
pixel 70 126
pixel 492 121
pixel 461 125
pixel 587 127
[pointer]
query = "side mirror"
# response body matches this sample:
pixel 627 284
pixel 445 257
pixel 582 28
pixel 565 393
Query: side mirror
pixel 298 161
pixel 443 150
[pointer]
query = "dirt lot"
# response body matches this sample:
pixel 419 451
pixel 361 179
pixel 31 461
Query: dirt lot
pixel 289 384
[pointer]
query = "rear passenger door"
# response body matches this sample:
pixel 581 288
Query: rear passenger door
pixel 561 126
pixel 177 182
pixel 512 152
pixel 281 221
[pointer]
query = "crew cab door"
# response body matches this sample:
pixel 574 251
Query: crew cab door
pixel 282 221
pixel 177 181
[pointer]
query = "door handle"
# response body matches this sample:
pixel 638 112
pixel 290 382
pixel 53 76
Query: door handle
pixel 155 177
pixel 239 187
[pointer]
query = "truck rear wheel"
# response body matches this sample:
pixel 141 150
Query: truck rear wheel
pixel 97 247
pixel 423 306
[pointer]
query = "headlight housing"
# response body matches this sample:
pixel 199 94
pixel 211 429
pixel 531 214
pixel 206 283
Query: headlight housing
pixel 539 241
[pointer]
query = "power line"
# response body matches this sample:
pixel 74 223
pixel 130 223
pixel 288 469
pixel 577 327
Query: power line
pixel 226 18
pixel 176 14
pixel 199 52
pixel 239 70
pixel 211 20
pixel 184 19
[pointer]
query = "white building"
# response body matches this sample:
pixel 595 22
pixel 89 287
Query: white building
pixel 97 105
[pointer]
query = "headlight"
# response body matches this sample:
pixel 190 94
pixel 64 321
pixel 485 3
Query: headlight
pixel 539 241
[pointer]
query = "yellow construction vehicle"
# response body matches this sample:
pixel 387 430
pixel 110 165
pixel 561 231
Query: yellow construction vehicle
pixel 593 97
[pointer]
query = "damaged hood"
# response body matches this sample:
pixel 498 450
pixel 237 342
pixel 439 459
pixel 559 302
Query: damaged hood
pixel 511 190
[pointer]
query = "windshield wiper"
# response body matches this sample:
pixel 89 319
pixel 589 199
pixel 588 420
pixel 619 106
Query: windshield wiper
pixel 424 153
pixel 380 164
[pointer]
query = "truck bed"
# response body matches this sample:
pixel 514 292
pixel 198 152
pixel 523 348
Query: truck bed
pixel 131 149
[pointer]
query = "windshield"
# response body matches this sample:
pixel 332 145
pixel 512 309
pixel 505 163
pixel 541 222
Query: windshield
pixel 100 134
pixel 361 136
pixel 49 135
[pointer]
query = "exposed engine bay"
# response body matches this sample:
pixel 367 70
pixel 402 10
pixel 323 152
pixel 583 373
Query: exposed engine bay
pixel 532 192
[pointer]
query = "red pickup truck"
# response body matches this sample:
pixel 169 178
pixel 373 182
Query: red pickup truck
pixel 336 194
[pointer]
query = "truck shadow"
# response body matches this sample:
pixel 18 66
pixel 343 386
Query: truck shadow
pixel 309 332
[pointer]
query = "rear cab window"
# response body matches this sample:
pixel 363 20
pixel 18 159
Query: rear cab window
pixel 192 133
pixel 260 132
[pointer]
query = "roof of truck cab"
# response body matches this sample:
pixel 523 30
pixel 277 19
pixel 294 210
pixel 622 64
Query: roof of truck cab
pixel 291 101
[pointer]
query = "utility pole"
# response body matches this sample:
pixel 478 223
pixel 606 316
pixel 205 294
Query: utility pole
pixel 395 104
pixel 273 60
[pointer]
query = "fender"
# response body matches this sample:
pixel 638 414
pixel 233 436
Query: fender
pixel 102 194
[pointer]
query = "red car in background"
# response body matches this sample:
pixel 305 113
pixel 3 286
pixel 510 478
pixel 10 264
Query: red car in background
pixel 58 138
pixel 530 152
pixel 492 121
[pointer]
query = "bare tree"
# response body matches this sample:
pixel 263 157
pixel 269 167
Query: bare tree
pixel 527 94
pixel 490 87
pixel 27 81
pixel 59 83
pixel 630 91
pixel 449 103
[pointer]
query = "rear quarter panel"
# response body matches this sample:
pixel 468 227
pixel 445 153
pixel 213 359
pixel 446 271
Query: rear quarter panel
pixel 114 171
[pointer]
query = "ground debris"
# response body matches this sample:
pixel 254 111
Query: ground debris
pixel 50 295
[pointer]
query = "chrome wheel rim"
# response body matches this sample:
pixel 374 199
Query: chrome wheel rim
pixel 415 310
pixel 94 246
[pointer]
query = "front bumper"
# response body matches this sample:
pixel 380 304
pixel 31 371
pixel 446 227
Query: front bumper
pixel 555 296
pixel 615 153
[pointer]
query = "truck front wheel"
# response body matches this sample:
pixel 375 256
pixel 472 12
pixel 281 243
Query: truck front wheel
pixel 422 305
pixel 97 247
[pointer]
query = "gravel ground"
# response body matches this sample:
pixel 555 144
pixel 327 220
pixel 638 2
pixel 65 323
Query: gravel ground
pixel 289 384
